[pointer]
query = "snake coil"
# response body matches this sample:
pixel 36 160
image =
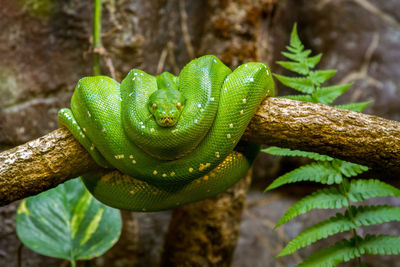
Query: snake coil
pixel 173 138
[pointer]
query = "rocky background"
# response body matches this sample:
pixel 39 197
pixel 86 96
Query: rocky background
pixel 45 48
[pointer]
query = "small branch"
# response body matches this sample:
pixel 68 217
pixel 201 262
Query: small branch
pixel 343 134
pixel 52 159
pixel 96 37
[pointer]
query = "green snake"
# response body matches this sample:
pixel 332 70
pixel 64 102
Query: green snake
pixel 171 137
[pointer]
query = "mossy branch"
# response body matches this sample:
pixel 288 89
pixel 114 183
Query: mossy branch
pixel 369 140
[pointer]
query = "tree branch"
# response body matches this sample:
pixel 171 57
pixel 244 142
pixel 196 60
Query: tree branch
pixel 52 159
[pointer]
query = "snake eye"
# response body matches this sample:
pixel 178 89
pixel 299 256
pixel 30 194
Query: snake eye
pixel 154 106
pixel 179 105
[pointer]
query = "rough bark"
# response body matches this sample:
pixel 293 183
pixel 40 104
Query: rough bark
pixel 45 162
pixel 211 240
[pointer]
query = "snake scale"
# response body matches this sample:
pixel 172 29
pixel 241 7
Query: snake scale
pixel 172 137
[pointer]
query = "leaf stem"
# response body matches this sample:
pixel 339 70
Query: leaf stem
pixel 96 37
pixel 351 215
pixel 73 263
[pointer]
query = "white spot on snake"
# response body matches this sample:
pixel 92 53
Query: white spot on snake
pixel 199 105
pixel 131 94
pixel 202 110
pixel 92 147
pixel 135 73
pixel 131 156
pixel 245 65
pixel 143 126
pixel 155 172
pixel 244 100
pixel 141 123
pixel 134 161
pixel 84 129
pixel 230 125
pixel 190 169
pixel 196 121
pixel 212 98
pixel 119 156
pixel 217 154
pixel 267 72
pixel 103 130
pixel 152 130
pixel 164 175
pixel 215 61
pixel 241 112
pixel 133 78
pixel 251 79
pixel 77 127
pixel 228 136
pixel 102 80
pixel 174 130
pixel 90 115
pixel 172 173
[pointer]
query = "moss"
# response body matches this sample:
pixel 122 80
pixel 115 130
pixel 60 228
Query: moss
pixel 38 8
pixel 8 86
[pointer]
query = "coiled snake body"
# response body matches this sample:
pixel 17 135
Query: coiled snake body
pixel 171 137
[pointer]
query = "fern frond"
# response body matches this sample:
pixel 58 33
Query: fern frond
pixel 313 61
pixel 328 94
pixel 302 84
pixel 349 169
pixel 294 38
pixel 303 98
pixel 360 190
pixel 360 106
pixel 363 216
pixel 381 244
pixel 321 172
pixel 327 198
pixel 341 251
pixel 298 67
pixel 323 229
pixel 370 215
pixel 318 77
pixel 297 56
pixel 279 151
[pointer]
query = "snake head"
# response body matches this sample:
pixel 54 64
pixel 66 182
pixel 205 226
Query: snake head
pixel 166 105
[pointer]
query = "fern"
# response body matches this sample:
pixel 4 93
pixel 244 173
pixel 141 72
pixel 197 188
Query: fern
pixel 327 170
pixel 327 198
pixel 346 250
pixel 321 172
pixel 277 151
pixel 363 216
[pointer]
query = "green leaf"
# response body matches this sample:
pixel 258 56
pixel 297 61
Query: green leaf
pixel 327 95
pixel 313 61
pixel 327 198
pixel 363 216
pixel 294 38
pixel 346 250
pixel 349 169
pixel 304 85
pixel 303 98
pixel 67 222
pixel 298 56
pixel 318 77
pixel 298 67
pixel 321 172
pixel 360 190
pixel 279 151
pixel 360 106
pixel 381 244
